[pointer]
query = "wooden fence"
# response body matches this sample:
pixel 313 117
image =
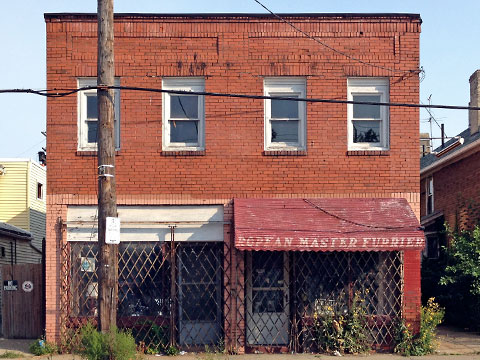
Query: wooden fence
pixel 22 301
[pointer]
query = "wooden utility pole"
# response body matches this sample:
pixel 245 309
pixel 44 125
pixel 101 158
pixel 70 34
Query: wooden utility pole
pixel 107 197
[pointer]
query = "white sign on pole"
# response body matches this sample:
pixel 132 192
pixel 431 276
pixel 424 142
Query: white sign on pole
pixel 112 232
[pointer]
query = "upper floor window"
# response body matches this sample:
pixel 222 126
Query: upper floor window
pixel 285 120
pixel 88 115
pixel 429 197
pixel 39 191
pixel 183 115
pixel 368 125
pixel 432 247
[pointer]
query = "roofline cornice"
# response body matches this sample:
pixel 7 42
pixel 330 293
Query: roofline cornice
pixel 93 16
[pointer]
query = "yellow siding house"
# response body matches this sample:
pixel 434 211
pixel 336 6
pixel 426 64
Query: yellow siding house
pixel 23 200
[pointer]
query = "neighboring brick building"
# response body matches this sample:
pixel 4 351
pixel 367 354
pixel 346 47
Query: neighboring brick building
pixel 450 190
pixel 222 179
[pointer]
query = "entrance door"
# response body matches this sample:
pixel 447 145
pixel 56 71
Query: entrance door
pixel 199 302
pixel 267 298
pixel 22 301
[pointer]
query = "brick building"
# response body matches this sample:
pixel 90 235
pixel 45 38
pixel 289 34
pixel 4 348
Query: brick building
pixel 242 218
pixel 450 192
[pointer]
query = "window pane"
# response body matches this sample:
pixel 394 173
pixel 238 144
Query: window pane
pixel 183 107
pixel 284 109
pixel 184 132
pixel 366 111
pixel 92 110
pixel 92 131
pixel 267 269
pixel 366 131
pixel 267 301
pixel 285 131
pixel 198 302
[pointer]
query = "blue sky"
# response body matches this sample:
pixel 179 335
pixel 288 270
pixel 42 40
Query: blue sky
pixel 449 53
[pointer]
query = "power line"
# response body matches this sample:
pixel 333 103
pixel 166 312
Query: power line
pixel 348 56
pixel 435 120
pixel 55 93
pixel 353 222
pixel 31 147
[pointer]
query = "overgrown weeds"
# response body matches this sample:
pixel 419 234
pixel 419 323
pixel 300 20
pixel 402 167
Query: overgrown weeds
pixel 345 332
pixel 424 342
pixel 42 347
pixel 113 345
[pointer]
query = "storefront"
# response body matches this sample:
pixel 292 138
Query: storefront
pixel 189 276
pixel 308 257
pixel 170 273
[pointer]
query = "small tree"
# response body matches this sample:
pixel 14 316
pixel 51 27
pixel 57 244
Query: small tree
pixel 464 264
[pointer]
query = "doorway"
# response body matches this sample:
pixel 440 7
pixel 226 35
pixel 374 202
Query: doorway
pixel 199 294
pixel 267 298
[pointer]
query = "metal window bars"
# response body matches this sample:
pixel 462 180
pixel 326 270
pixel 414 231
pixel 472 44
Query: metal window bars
pixel 192 295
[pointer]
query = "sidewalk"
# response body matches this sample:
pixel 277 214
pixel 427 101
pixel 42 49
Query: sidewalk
pixel 452 344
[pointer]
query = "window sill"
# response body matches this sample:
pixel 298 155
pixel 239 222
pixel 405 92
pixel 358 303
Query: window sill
pixel 368 153
pixel 183 153
pixel 285 153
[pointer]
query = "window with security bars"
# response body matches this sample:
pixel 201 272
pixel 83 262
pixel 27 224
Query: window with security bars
pixel 166 295
pixel 285 291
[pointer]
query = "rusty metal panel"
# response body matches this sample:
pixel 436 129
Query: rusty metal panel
pixel 326 225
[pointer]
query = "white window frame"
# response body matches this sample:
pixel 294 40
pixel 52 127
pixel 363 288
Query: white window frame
pixel 369 86
pixel 183 84
pixel 429 196
pixel 83 144
pixel 288 87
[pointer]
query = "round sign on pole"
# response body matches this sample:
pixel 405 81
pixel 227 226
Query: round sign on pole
pixel 27 286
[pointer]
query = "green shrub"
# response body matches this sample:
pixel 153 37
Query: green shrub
pixel 172 351
pixel 114 345
pixel 92 343
pixel 424 342
pixel 42 347
pixel 121 345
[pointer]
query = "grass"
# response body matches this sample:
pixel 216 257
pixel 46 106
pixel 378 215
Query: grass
pixel 10 355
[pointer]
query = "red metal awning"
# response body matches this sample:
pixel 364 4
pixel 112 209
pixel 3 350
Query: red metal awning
pixel 326 225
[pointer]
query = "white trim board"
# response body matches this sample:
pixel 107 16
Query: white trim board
pixel 209 226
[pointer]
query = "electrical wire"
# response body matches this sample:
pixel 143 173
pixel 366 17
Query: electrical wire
pixel 354 222
pixel 56 93
pixel 31 147
pixel 348 56
pixel 435 120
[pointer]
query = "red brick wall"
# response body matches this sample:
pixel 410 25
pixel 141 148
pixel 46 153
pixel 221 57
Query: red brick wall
pixel 456 192
pixel 233 55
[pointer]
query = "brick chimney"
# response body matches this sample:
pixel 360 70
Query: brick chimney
pixel 474 115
